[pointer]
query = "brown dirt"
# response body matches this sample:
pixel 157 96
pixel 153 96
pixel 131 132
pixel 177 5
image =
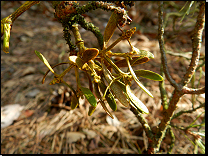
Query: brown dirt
pixel 46 127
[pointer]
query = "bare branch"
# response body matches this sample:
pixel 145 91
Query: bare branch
pixel 187 111
pixel 162 49
pixel 196 45
pixel 187 90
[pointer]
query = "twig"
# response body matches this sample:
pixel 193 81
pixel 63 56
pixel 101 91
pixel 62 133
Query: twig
pixel 90 26
pixel 145 125
pixel 187 90
pixel 178 92
pixel 172 136
pixel 163 92
pixel 196 45
pixel 162 48
pixel 187 111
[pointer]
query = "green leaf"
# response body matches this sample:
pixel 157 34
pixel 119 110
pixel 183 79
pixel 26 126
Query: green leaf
pixel 200 143
pixel 97 92
pixel 136 79
pixel 91 110
pixel 109 96
pixel 148 75
pixel 110 28
pixel 89 96
pixel 74 102
pixel 134 61
pixel 135 102
pixel 115 88
pixel 143 53
pixel 43 59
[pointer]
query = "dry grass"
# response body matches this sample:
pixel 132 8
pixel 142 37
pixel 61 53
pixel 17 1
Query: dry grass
pixel 52 127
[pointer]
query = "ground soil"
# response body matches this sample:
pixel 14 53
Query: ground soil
pixel 45 126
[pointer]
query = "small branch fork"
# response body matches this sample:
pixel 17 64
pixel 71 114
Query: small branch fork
pixel 180 89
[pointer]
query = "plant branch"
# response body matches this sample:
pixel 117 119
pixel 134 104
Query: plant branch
pixel 196 45
pixel 145 125
pixel 187 90
pixel 90 26
pixel 163 92
pixel 172 136
pixel 162 48
pixel 187 111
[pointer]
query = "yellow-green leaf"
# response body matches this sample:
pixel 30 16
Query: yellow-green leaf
pixel 115 88
pixel 109 96
pixel 148 74
pixel 110 28
pixel 143 53
pixel 74 102
pixel 91 110
pixel 43 59
pixel 73 59
pixel 89 96
pixel 134 61
pixel 135 102
pixel 136 79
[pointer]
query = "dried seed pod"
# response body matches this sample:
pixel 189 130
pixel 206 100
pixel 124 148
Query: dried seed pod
pixel 135 102
pixel 115 88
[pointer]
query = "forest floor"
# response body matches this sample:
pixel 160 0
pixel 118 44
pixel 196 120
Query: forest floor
pixel 48 125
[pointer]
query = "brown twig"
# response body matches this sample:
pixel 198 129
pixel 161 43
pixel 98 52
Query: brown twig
pixel 179 91
pixel 187 90
pixel 196 45
pixel 162 48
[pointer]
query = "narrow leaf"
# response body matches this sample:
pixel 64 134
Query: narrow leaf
pixel 74 102
pixel 91 110
pixel 43 59
pixel 101 101
pixel 109 96
pixel 115 88
pixel 148 74
pixel 110 28
pixel 134 61
pixel 89 96
pixel 143 53
pixel 136 79
pixel 135 102
pixel 106 109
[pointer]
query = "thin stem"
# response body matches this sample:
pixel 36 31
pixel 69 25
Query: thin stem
pixel 196 45
pixel 163 92
pixel 187 90
pixel 187 111
pixel 162 48
pixel 78 39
